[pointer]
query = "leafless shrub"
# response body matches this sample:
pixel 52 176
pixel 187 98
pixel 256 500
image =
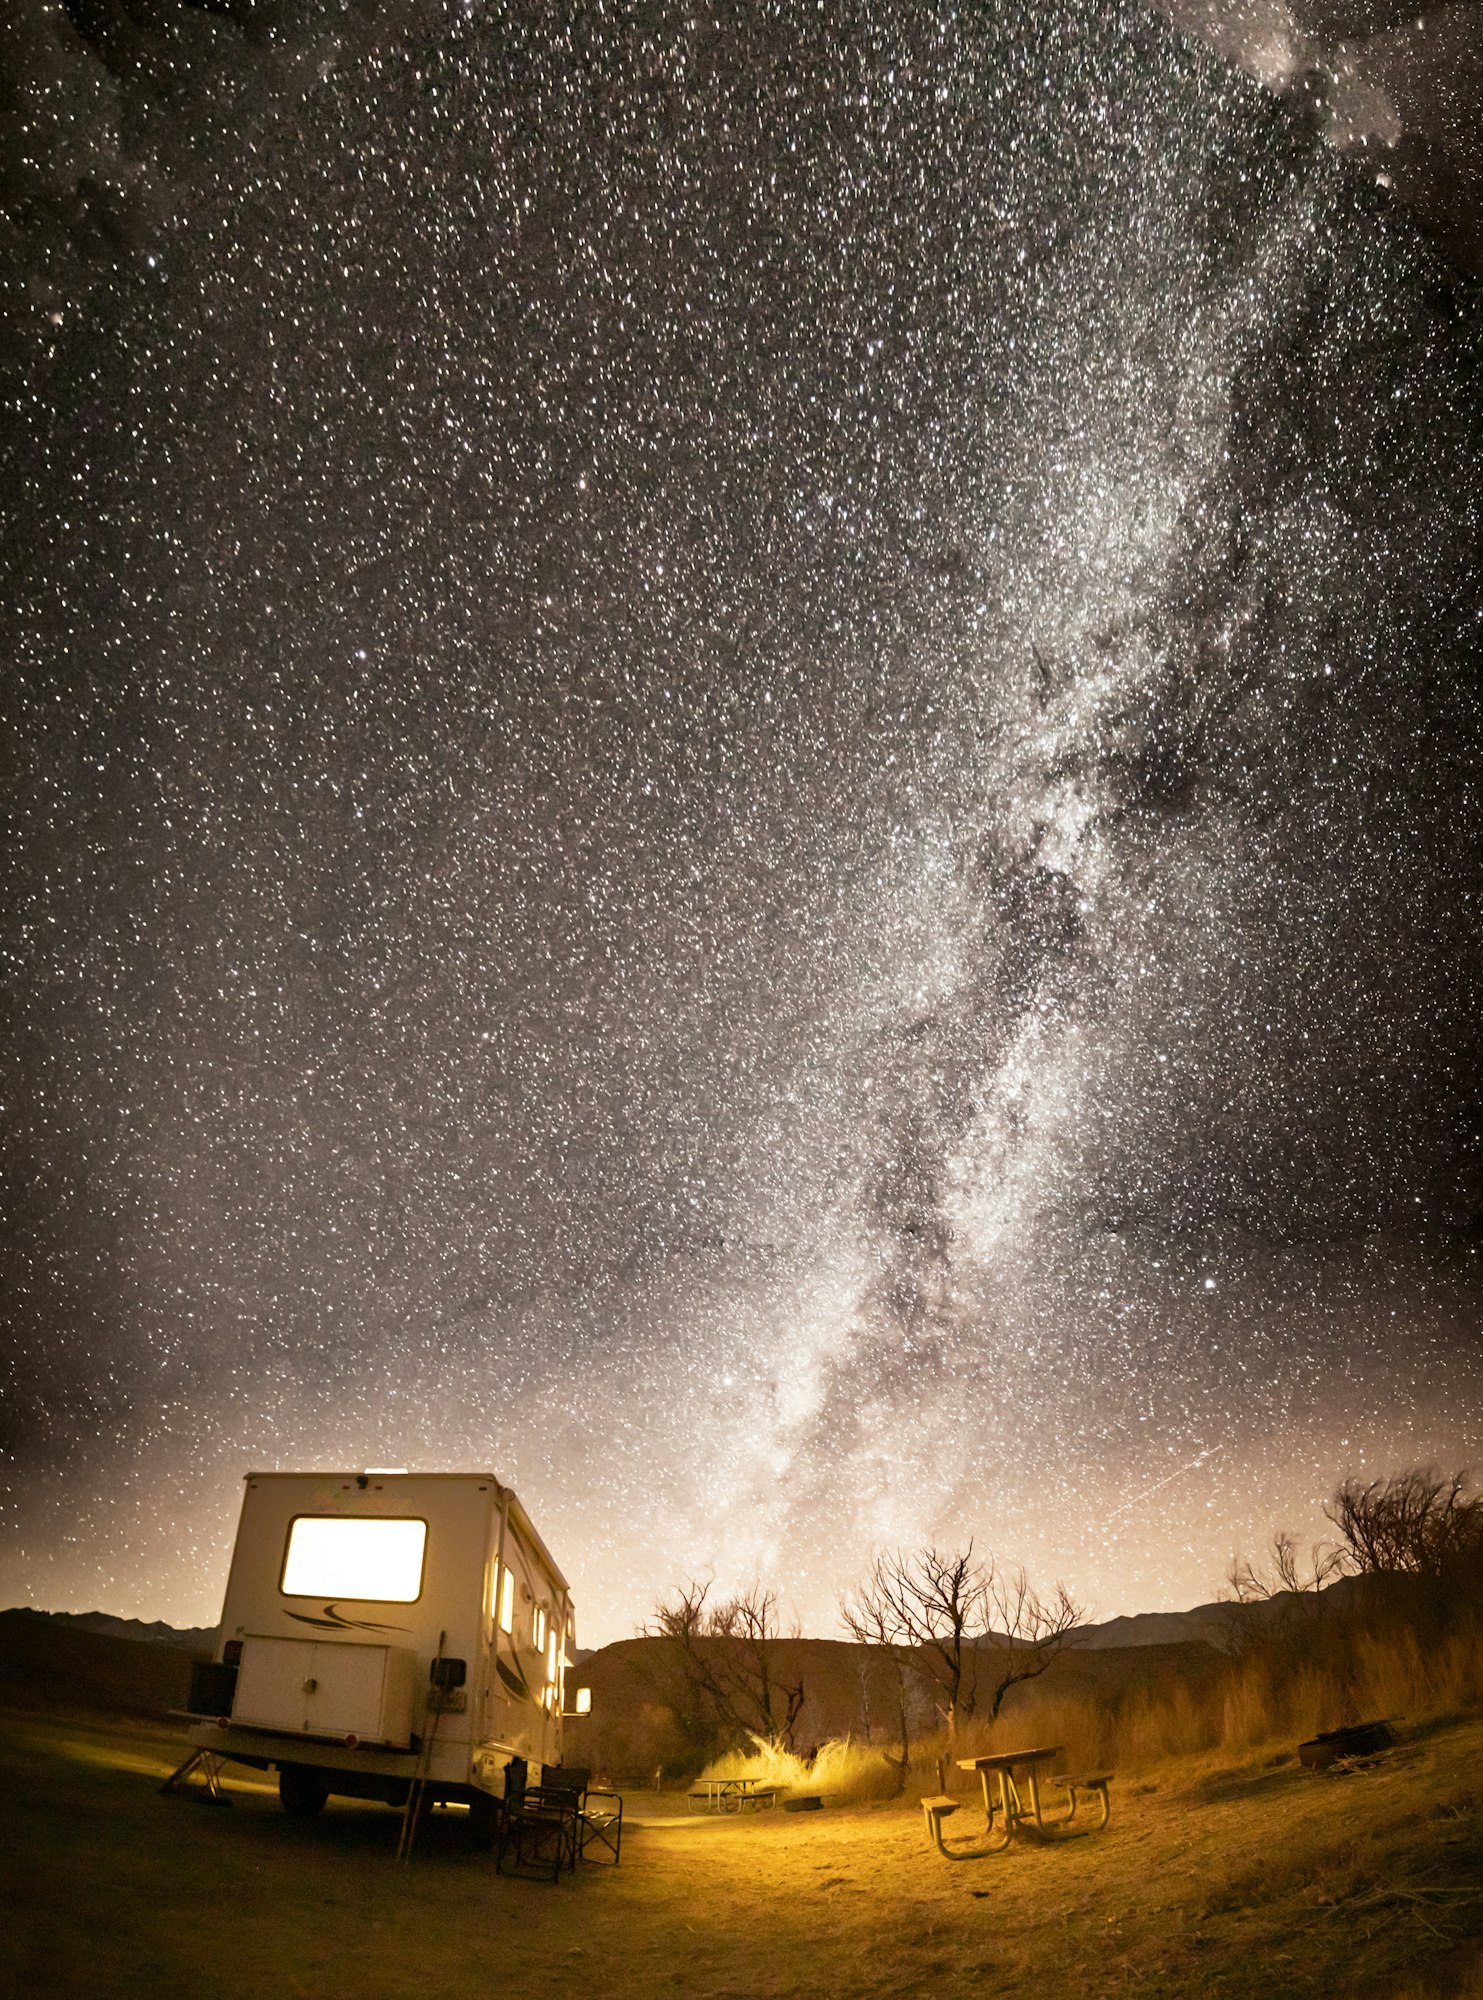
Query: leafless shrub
pixel 1263 1603
pixel 1288 1573
pixel 1419 1523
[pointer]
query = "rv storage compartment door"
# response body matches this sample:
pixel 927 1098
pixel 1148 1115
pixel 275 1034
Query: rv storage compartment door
pixel 326 1687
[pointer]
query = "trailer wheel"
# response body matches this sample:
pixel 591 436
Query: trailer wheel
pixel 301 1791
pixel 484 1818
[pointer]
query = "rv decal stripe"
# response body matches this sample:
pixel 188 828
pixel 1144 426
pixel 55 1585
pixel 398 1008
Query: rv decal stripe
pixel 513 1681
pixel 332 1621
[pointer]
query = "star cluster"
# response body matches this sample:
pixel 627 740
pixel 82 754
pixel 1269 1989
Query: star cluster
pixel 743 778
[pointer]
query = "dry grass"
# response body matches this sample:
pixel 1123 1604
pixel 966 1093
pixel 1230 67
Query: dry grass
pixel 1236 1880
pixel 1467 1985
pixel 1305 1680
pixel 1301 1683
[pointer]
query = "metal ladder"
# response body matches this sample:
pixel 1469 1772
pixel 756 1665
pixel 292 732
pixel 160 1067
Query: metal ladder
pixel 417 1790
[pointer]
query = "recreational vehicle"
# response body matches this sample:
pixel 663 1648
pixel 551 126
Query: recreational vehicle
pixel 385 1630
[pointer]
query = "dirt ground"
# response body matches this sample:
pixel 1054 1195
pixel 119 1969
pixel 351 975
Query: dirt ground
pixel 1266 1880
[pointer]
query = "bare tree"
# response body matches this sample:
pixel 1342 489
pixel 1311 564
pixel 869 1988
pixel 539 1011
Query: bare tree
pixel 1419 1523
pixel 925 1609
pixel 728 1663
pixel 1027 1630
pixel 688 1682
pixel 746 1631
pixel 1261 1604
pixel 941 1613
pixel 867 1619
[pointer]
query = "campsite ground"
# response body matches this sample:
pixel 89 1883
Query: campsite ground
pixel 1241 1881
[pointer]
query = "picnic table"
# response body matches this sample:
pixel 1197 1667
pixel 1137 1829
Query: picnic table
pixel 1016 1802
pixel 723 1795
pixel 997 1772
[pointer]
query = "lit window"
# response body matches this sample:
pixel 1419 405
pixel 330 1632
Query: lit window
pixel 538 1627
pixel 507 1601
pixel 551 1657
pixel 377 1562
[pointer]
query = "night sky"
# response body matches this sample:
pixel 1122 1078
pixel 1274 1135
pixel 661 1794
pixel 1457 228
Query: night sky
pixel 742 774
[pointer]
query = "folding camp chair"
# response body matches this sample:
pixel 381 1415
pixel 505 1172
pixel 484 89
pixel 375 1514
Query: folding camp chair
pixel 539 1828
pixel 563 1788
pixel 600 1826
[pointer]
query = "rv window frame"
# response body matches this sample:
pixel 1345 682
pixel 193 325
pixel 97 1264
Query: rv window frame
pixel 312 1597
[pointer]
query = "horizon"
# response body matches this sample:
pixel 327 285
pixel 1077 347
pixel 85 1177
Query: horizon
pixel 786 1633
pixel 1095 1617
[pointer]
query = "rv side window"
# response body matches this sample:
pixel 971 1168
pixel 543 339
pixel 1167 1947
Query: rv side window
pixel 507 1600
pixel 377 1561
pixel 538 1627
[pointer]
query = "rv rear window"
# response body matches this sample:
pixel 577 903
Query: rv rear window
pixel 330 1556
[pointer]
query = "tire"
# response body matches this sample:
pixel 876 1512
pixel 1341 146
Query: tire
pixel 484 1819
pixel 301 1791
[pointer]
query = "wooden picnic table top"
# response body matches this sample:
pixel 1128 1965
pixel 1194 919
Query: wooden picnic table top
pixel 1005 1760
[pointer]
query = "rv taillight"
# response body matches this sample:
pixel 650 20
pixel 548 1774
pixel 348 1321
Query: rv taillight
pixel 352 1741
pixel 231 1653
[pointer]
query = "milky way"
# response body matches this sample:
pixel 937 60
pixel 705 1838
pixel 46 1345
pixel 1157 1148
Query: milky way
pixel 744 777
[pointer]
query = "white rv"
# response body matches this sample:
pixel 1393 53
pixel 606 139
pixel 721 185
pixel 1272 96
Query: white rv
pixel 382 1628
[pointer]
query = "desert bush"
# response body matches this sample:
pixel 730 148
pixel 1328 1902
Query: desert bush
pixel 1308 1676
pixel 1399 1635
pixel 1400 1671
pixel 846 1772
pixel 1253 1707
pixel 1347 1669
pixel 650 1737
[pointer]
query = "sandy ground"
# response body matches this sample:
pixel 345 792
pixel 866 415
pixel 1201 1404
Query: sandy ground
pixel 1268 1881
